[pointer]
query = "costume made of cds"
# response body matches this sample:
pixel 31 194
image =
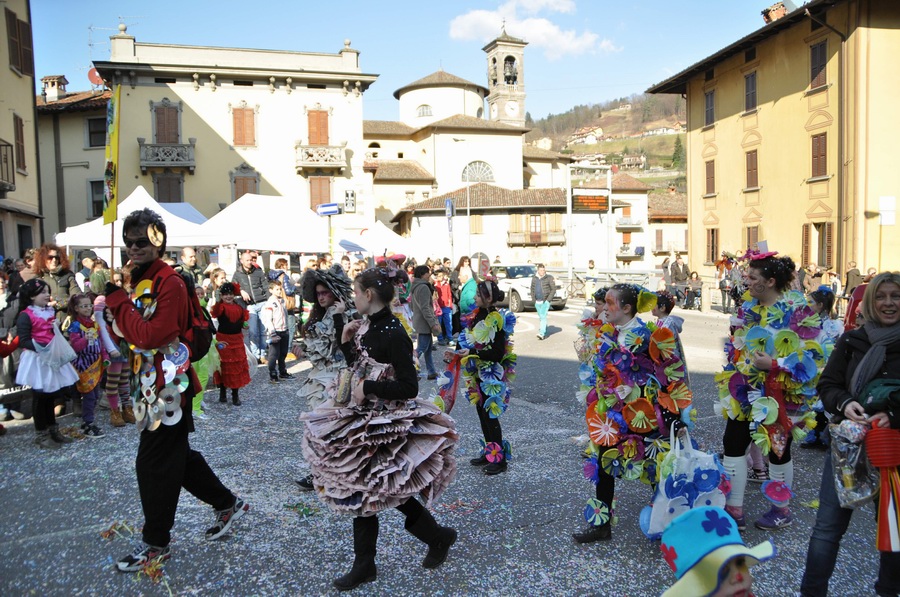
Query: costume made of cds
pixel 778 401
pixel 371 456
pixel 234 371
pixel 321 344
pixel 632 384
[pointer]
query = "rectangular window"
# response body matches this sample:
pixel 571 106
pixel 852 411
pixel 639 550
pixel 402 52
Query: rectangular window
pixel 319 190
pixel 817 61
pixel 750 55
pixel 244 126
pixel 96 132
pixel 26 238
pixel 753 237
pixel 476 224
pixel 21 50
pixel 244 185
pixel 167 124
pixel 659 241
pixel 534 223
pixel 168 187
pixel 318 127
pixel 712 244
pixel 752 170
pixel 750 92
pixel 96 198
pixel 711 177
pixel 19 128
pixel 820 155
pixel 710 107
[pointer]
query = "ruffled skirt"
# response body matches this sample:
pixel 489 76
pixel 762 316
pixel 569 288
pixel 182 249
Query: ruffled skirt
pixel 235 372
pixel 32 372
pixel 365 460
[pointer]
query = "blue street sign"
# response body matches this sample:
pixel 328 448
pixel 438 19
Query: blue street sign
pixel 448 207
pixel 328 209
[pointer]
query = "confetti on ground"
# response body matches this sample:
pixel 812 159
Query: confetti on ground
pixel 302 509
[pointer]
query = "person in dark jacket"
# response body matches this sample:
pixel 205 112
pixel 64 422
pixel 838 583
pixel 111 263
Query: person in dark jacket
pixel 854 278
pixel 188 265
pixel 543 289
pixel 680 274
pixel 424 320
pixel 254 294
pixel 859 356
pixel 52 265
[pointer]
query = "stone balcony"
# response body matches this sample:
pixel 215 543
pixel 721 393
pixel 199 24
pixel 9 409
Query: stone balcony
pixel 535 239
pixel 168 155
pixel 629 253
pixel 7 169
pixel 629 223
pixel 321 157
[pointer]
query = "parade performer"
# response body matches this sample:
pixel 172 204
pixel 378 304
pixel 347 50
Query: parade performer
pixel 232 318
pixel 118 372
pixel 379 447
pixel 635 394
pixel 822 301
pixel 400 307
pixel 775 355
pixel 665 303
pixel 488 366
pixel 84 336
pixel 157 324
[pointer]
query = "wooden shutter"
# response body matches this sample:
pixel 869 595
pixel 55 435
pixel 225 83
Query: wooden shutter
pixel 244 126
pixel 515 223
pixel 828 232
pixel 244 185
pixel 820 155
pixel 804 245
pixel 752 237
pixel 319 191
pixel 476 224
pixel 26 49
pixel 750 92
pixel 659 240
pixel 168 189
pixel 752 170
pixel 710 250
pixel 166 124
pixel 556 222
pixel 19 126
pixel 686 240
pixel 318 127
pixel 817 62
pixel 12 32
pixel 710 177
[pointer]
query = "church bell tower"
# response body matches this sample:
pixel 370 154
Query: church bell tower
pixel 506 80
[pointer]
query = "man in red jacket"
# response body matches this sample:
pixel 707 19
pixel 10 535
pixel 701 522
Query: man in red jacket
pixel 156 323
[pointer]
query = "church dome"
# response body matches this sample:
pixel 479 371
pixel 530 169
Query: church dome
pixel 441 79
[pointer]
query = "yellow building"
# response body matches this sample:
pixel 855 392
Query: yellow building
pixel 790 136
pixel 20 198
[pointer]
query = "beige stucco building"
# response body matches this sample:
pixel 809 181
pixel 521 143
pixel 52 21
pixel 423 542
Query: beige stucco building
pixel 206 125
pixel 20 196
pixel 790 135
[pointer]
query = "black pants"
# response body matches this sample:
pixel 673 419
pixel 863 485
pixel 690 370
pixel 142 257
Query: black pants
pixel 166 463
pixel 490 427
pixel 606 488
pixel 42 405
pixel 278 352
pixel 737 439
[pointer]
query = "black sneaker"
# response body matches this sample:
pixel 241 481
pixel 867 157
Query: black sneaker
pixel 495 468
pixel 306 483
pixel 480 461
pixel 92 431
pixel 273 380
pixel 285 376
pixel 225 518
pixel 142 556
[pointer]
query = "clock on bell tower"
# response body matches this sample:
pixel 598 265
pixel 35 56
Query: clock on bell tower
pixel 506 80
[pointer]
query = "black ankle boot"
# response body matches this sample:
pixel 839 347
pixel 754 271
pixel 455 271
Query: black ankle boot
pixel 439 539
pixel 365 540
pixel 222 397
pixel 234 397
pixel 591 534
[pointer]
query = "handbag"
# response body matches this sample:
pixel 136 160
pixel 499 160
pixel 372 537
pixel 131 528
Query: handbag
pixel 58 351
pixel 252 361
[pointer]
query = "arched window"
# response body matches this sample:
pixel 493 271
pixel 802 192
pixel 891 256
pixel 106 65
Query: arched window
pixel 373 150
pixel 424 110
pixel 478 172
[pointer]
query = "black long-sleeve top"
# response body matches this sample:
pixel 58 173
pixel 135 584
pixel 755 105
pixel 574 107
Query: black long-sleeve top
pixel 496 349
pixel 386 341
pixel 23 330
pixel 846 356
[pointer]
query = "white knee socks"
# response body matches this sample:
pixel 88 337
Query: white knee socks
pixel 736 467
pixel 782 472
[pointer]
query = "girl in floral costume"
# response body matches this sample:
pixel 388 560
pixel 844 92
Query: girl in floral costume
pixel 775 355
pixel 488 367
pixel 635 394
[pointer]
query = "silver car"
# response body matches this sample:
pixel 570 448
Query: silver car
pixel 515 282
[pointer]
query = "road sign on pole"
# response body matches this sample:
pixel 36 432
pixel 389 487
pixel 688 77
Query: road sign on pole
pixel 328 209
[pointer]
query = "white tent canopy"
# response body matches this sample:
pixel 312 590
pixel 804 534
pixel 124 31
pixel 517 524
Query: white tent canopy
pixel 267 223
pixel 378 239
pixel 179 232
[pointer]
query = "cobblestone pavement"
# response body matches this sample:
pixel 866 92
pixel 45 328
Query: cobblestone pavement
pixel 514 529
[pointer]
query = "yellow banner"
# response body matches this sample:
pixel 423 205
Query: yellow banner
pixel 111 175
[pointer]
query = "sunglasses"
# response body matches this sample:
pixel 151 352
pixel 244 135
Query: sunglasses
pixel 50 257
pixel 141 243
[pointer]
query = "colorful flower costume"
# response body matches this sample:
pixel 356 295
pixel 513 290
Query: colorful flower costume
pixel 632 383
pixel 321 344
pixel 375 455
pixel 779 401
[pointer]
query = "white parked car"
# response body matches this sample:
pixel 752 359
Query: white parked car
pixel 515 282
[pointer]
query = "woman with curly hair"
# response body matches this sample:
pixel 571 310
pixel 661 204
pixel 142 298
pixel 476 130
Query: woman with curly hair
pixel 52 266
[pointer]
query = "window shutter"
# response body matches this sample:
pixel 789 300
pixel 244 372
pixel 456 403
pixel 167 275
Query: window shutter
pixel 804 247
pixel 659 240
pixel 166 124
pixel 817 62
pixel 249 127
pixel 19 125
pixel 710 177
pixel 686 241
pixel 556 222
pixel 26 49
pixel 319 190
pixel 244 185
pixel 12 32
pixel 752 170
pixel 238 120
pixel 318 127
pixel 710 253
pixel 829 243
pixel 626 238
pixel 820 155
pixel 515 222
pixel 477 224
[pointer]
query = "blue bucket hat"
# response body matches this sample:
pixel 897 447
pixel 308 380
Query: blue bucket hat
pixel 699 543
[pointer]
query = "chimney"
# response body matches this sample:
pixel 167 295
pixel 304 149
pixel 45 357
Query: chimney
pixel 54 87
pixel 774 12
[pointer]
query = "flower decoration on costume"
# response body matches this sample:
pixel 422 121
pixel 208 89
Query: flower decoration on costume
pixel 669 555
pixel 777 492
pixel 720 525
pixel 596 512
pixel 786 342
pixel 662 344
pixel 612 462
pixel 493 452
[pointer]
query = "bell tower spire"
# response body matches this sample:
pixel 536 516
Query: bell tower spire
pixel 506 78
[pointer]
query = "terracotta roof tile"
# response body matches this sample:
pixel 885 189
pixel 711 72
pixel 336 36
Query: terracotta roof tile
pixel 485 196
pixel 620 182
pixel 77 101
pixel 386 127
pixel 536 153
pixel 667 206
pixel 401 170
pixel 460 121
pixel 440 79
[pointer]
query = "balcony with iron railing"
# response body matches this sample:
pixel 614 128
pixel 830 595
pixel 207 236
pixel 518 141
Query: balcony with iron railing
pixel 534 239
pixel 321 157
pixel 7 168
pixel 627 253
pixel 168 155
pixel 629 223
pixel 670 247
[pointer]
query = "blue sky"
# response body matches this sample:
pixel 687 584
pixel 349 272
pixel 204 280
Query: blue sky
pixel 579 52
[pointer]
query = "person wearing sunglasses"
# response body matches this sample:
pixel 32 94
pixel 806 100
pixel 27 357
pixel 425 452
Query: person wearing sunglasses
pixel 52 265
